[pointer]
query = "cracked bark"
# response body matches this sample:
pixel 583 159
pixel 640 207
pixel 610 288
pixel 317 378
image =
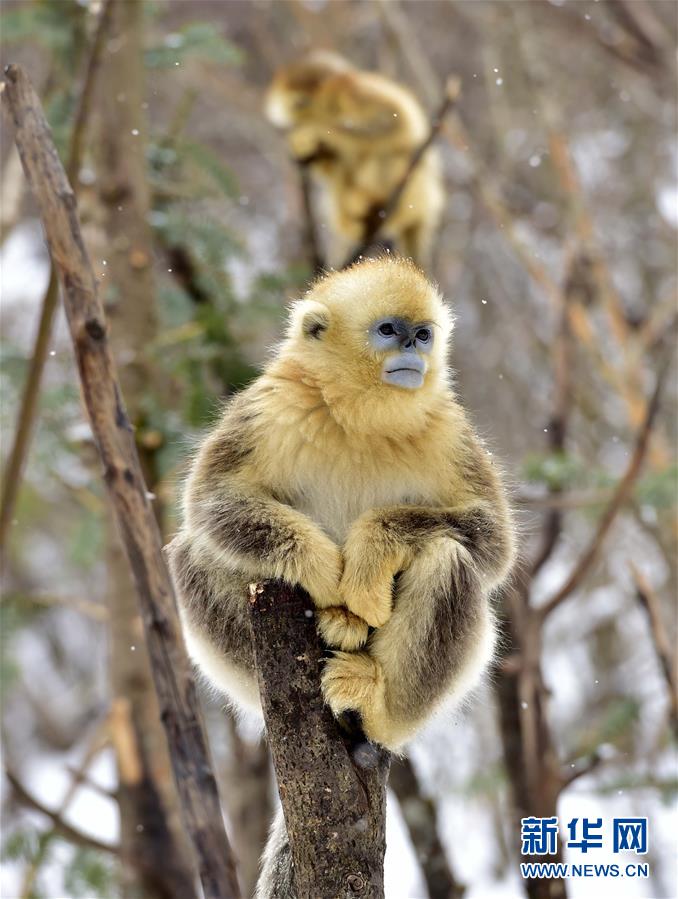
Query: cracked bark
pixel 331 780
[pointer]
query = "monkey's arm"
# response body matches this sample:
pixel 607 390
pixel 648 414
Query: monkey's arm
pixel 306 144
pixel 439 636
pixel 384 542
pixel 229 508
pixel 365 111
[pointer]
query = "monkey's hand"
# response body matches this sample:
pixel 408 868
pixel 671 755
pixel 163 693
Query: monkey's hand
pixel 371 561
pixel 342 629
pixel 317 568
pixel 303 143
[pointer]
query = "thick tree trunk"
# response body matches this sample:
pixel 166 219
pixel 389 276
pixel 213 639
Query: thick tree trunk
pixel 332 782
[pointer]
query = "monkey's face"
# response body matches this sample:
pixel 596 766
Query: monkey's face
pixel 285 106
pixel 290 98
pixel 405 345
pixel 373 338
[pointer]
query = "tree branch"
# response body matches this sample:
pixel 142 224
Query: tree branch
pixel 581 770
pixel 126 487
pixel 310 232
pixel 332 785
pixel 563 368
pixel 618 499
pixel 29 400
pixel 79 837
pixel 421 817
pixel 662 644
pixel 379 216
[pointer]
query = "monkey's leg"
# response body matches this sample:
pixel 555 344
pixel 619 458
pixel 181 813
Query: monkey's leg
pixel 436 644
pixel 215 621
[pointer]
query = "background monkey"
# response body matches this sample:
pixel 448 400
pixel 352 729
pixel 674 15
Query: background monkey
pixel 348 467
pixel 359 130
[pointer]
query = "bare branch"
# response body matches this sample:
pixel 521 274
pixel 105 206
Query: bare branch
pixel 83 606
pixel 662 644
pixel 332 786
pixel 618 499
pixel 71 833
pixel 96 743
pixel 379 216
pixel 400 28
pixel 581 769
pixel 29 400
pixel 575 499
pixel 421 817
pixel 310 232
pixel 563 368
pixel 127 490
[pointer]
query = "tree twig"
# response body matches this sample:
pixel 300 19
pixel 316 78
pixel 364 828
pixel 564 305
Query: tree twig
pixel 29 400
pixel 332 786
pixel 563 369
pixel 71 833
pixel 310 232
pixel 616 502
pixel 581 770
pixel 380 215
pixel 96 744
pixel 83 606
pixel 662 644
pixel 127 491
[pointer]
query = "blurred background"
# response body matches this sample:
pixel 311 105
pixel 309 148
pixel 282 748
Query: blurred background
pixel 557 251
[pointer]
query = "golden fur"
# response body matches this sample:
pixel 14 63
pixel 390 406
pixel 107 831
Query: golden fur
pixel 380 501
pixel 359 130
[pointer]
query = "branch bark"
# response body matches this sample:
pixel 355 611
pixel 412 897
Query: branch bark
pixel 332 782
pixel 124 480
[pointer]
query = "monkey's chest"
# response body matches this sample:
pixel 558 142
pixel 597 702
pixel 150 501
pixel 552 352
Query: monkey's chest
pixel 339 496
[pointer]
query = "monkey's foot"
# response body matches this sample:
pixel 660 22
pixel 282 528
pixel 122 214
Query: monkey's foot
pixel 351 680
pixel 341 628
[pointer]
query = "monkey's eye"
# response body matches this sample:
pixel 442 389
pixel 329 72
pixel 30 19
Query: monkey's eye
pixel 423 335
pixel 386 330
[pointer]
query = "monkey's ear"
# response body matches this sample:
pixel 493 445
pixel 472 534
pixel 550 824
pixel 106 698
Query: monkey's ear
pixel 315 320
